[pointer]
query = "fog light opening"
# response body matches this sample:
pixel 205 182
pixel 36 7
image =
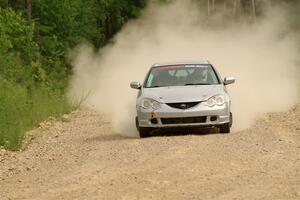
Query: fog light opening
pixel 153 121
pixel 213 118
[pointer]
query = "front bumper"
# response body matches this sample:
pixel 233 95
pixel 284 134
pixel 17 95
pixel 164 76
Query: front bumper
pixel 198 116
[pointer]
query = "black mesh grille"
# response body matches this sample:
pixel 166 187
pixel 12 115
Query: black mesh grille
pixel 183 105
pixel 184 120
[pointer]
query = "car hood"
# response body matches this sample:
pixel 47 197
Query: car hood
pixel 182 93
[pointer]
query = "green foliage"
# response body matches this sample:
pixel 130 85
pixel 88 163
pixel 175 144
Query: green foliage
pixel 17 35
pixel 71 21
pixel 12 101
pixel 34 72
pixel 17 49
pixel 20 110
pixel 28 94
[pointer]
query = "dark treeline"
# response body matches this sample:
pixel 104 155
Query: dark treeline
pixel 55 26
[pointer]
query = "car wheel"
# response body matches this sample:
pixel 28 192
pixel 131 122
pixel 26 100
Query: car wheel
pixel 231 120
pixel 145 132
pixel 137 123
pixel 225 128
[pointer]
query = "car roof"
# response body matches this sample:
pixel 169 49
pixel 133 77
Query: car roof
pixel 202 62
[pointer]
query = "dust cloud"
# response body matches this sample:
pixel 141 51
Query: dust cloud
pixel 261 56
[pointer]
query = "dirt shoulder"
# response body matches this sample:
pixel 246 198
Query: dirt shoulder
pixel 81 158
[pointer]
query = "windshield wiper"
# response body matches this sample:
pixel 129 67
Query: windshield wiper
pixel 197 84
pixel 154 86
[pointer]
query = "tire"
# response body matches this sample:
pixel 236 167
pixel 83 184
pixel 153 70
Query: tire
pixel 145 132
pixel 137 123
pixel 225 128
pixel 231 120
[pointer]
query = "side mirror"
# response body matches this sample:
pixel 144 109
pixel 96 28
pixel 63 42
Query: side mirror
pixel 135 85
pixel 229 80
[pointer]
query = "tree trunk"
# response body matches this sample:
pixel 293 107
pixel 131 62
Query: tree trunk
pixel 13 4
pixel 237 7
pixel 208 8
pixel 254 9
pixel 138 2
pixel 234 7
pixel 29 9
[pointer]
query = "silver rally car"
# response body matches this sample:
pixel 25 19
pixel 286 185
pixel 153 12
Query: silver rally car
pixel 183 95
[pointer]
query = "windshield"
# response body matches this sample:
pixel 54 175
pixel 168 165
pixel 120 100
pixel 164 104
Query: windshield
pixel 181 75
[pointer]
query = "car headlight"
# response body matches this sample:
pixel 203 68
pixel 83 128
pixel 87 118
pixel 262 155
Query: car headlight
pixel 146 103
pixel 215 100
pixel 150 103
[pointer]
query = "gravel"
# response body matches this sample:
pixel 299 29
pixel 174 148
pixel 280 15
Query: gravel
pixel 80 157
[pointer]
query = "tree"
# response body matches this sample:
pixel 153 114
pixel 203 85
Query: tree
pixel 28 9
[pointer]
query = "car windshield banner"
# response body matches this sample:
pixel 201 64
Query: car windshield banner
pixel 168 67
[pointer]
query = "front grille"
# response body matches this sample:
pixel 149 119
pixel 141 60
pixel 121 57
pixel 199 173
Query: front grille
pixel 183 105
pixel 184 120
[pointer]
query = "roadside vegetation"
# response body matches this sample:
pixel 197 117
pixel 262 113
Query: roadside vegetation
pixel 36 37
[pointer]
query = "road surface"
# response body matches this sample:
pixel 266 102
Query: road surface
pixel 80 157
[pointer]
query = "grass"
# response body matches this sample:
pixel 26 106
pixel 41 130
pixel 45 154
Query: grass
pixel 20 111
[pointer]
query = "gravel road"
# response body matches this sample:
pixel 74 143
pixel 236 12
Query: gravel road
pixel 79 157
